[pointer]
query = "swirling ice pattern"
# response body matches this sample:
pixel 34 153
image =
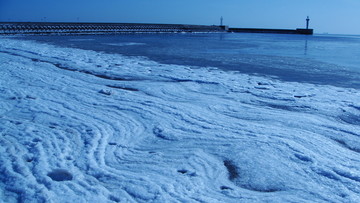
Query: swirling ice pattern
pixel 81 126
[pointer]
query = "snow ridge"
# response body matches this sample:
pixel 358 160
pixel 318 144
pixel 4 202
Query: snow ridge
pixel 82 126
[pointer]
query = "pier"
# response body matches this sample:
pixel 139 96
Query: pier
pixel 99 28
pixel 299 31
pixel 11 28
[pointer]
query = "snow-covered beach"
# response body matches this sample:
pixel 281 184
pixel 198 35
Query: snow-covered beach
pixel 85 126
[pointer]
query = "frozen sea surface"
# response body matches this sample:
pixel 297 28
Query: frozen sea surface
pixel 86 126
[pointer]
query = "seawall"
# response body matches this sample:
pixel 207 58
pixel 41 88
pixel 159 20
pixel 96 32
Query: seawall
pixel 99 28
pixel 277 31
pixel 10 28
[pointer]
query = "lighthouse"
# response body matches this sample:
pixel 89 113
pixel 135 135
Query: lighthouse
pixel 307 22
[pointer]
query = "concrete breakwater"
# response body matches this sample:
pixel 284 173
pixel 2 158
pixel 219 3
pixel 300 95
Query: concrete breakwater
pixel 9 28
pixel 277 31
pixel 99 28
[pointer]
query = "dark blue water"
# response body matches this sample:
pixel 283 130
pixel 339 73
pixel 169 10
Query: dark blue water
pixel 319 59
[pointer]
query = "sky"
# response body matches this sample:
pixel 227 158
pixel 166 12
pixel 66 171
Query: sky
pixel 326 16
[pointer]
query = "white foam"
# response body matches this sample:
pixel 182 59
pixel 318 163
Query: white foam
pixel 116 128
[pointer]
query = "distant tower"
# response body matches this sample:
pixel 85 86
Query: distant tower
pixel 221 21
pixel 307 22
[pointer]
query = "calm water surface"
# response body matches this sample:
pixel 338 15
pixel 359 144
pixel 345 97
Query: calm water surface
pixel 319 59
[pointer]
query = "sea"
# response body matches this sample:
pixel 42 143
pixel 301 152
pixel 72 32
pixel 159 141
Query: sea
pixel 317 59
pixel 185 117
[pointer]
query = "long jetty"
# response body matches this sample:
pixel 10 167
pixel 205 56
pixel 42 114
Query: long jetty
pixel 11 28
pixel 99 28
pixel 299 31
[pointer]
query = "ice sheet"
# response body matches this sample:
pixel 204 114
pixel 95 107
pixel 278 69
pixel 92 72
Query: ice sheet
pixel 84 126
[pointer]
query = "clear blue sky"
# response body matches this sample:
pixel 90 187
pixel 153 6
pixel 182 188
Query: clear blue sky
pixel 332 16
